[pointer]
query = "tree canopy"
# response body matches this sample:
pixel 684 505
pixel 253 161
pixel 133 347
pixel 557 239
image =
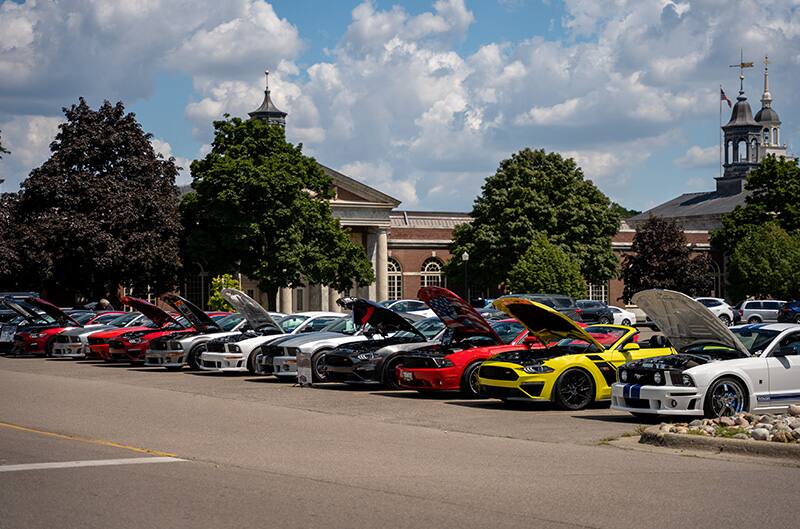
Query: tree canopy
pixel 544 267
pixel 765 264
pixel 774 188
pixel 536 192
pixel 262 208
pixel 100 213
pixel 660 258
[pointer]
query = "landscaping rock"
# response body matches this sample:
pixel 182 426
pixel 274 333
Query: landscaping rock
pixel 742 421
pixel 794 410
pixel 760 434
pixel 695 423
pixel 782 437
pixel 727 421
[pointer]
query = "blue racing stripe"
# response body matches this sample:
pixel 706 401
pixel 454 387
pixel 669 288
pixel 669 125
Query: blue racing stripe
pixel 635 391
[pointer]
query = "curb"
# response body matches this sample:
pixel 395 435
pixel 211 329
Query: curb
pixel 653 436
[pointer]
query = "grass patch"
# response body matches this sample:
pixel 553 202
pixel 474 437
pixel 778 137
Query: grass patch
pixel 730 431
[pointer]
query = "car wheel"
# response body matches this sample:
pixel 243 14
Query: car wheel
pixel 604 320
pixel 626 321
pixel 574 389
pixel 797 319
pixel 251 362
pixel 469 380
pixel 753 319
pixel 193 358
pixel 389 380
pixel 318 368
pixel 725 319
pixel 725 397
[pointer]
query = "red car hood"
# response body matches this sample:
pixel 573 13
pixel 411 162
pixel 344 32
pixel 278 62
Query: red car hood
pixel 113 333
pixel 199 319
pixel 157 315
pixel 456 313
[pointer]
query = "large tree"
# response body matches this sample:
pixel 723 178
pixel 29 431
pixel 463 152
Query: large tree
pixel 545 267
pixel 661 258
pixel 536 192
pixel 765 264
pixel 101 212
pixel 774 188
pixel 262 208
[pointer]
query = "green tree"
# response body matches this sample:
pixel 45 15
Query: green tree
pixel 764 264
pixel 536 192
pixel 661 258
pixel 774 188
pixel 215 300
pixel 10 266
pixel 100 212
pixel 544 267
pixel 261 207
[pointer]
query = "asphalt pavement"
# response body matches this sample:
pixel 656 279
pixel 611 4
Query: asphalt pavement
pixel 85 444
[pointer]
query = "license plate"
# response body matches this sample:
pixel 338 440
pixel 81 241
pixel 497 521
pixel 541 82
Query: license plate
pixel 407 376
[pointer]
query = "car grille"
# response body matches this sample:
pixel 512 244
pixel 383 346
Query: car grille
pixel 496 392
pixel 534 389
pixel 116 344
pixel 338 361
pixel 215 347
pixel 641 404
pixel 62 339
pixel 158 345
pixel 498 373
pixel 643 377
pixel 96 341
pixel 418 361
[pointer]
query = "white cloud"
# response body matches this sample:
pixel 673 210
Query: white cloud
pixel 165 149
pixel 380 175
pixel 698 156
pixel 28 138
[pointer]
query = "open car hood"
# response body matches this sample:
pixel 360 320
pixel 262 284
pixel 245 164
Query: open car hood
pixel 457 314
pixel 24 310
pixel 685 321
pixel 379 318
pixel 155 314
pixel 201 321
pixel 255 314
pixel 54 312
pixel 546 324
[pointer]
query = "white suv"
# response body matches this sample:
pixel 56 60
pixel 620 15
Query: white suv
pixel 720 308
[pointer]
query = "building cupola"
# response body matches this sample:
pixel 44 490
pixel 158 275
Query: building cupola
pixel 268 111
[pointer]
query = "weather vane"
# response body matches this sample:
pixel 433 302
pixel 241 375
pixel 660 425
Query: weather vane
pixel 742 65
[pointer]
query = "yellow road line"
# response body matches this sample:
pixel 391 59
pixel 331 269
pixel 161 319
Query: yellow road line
pixel 100 442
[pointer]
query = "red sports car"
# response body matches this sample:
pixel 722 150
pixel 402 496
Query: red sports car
pixel 133 345
pixel 452 365
pixel 38 338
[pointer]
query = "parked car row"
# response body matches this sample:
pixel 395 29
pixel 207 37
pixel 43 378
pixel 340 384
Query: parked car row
pixel 536 352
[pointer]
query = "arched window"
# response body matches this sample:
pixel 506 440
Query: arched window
pixel 742 148
pixel 766 137
pixel 432 273
pixel 775 135
pixel 753 150
pixel 395 276
pixel 729 152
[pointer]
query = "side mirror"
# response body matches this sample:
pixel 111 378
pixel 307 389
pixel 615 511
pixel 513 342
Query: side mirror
pixel 631 347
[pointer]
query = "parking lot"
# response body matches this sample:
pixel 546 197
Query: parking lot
pixel 88 444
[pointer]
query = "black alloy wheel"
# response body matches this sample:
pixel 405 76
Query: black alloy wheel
pixel 725 320
pixel 319 369
pixel 193 358
pixel 604 320
pixel 574 390
pixel 726 397
pixel 469 381
pixel 389 372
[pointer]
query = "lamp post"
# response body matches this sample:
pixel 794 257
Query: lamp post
pixel 465 259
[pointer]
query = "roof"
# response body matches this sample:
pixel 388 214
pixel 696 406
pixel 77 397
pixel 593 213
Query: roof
pixel 767 115
pixel 358 188
pixel 741 116
pixel 703 208
pixel 428 219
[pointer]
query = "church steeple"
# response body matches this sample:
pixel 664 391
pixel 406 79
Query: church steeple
pixel 769 121
pixel 268 111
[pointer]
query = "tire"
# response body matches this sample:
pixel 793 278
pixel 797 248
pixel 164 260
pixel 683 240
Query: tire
pixel 725 319
pixel 318 369
pixel 388 379
pixel 574 390
pixel 725 397
pixel 193 358
pixel 604 320
pixel 48 347
pixel 469 380
pixel 753 319
pixel 797 319
pixel 251 361
pixel 626 321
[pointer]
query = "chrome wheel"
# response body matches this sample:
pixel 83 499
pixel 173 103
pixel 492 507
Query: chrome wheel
pixel 726 398
pixel 320 367
pixel 574 390
pixel 726 320
pixel 626 321
pixel 604 320
pixel 469 383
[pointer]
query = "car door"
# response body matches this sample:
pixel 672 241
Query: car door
pixel 783 364
pixel 588 311
pixel 771 310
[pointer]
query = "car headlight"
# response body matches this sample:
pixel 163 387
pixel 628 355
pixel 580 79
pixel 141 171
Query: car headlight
pixel 35 335
pixel 537 368
pixel 442 362
pixel 623 376
pixel 135 340
pixel 657 378
pixel 366 356
pixel 233 348
pixel 685 380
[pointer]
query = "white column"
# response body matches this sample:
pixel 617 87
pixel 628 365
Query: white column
pixel 285 297
pixel 332 297
pixel 372 255
pixel 381 265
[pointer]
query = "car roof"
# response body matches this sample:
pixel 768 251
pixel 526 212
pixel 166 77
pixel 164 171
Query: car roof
pixel 780 327
pixel 313 313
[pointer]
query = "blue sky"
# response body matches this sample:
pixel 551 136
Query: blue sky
pixel 419 98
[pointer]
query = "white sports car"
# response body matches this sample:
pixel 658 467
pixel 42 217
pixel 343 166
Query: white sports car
pixel 719 370
pixel 622 316
pixel 236 355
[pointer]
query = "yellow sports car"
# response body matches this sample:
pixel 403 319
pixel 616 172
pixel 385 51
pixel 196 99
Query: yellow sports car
pixel 572 366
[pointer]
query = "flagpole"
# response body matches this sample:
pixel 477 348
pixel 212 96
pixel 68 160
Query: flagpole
pixel 719 132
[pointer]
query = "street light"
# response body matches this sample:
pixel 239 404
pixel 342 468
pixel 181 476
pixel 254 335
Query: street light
pixel 465 259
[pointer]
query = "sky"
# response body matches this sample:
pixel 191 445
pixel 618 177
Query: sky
pixel 420 99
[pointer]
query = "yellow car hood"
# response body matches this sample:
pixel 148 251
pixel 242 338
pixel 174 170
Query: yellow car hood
pixel 546 324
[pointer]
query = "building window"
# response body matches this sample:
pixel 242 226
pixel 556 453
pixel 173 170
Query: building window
pixel 395 279
pixel 432 273
pixel 766 137
pixel 598 292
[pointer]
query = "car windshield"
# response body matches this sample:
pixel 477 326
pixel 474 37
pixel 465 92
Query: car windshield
pixel 429 327
pixel 230 321
pixel 606 336
pixel 341 325
pixel 83 317
pixel 755 339
pixel 291 322
pixel 386 303
pixel 124 319
pixel 507 330
pixel 105 318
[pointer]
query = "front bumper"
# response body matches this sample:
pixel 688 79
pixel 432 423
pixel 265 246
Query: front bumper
pixel 430 378
pixel 232 362
pixel 284 366
pixel 657 400
pixel 352 371
pixel 68 350
pixel 161 358
pixel 511 383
